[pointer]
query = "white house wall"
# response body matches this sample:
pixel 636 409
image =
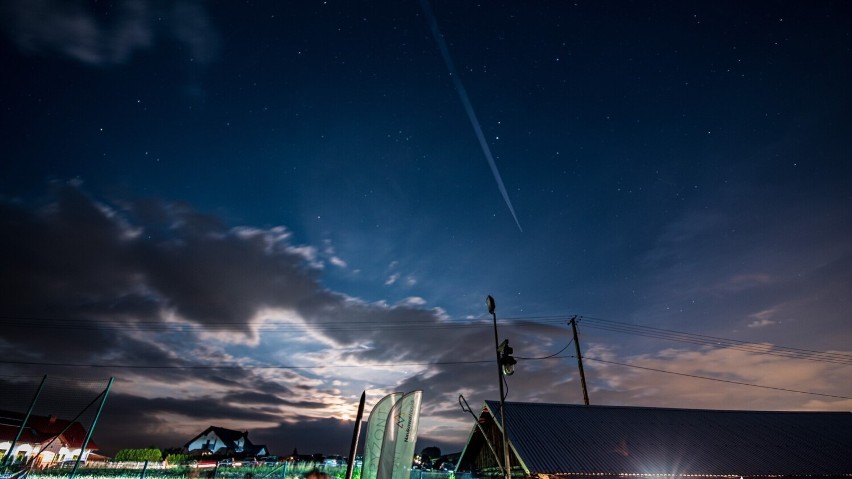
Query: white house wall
pixel 202 441
pixel 26 449
pixel 215 443
pixel 47 456
pixel 73 453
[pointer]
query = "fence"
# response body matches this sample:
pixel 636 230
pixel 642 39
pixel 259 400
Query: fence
pixel 160 470
pixel 51 408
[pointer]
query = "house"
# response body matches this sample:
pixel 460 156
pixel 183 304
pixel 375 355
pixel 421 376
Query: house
pixel 43 439
pixel 225 442
pixel 550 441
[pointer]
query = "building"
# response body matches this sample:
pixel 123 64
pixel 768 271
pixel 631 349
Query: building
pixel 559 440
pixel 225 442
pixel 44 439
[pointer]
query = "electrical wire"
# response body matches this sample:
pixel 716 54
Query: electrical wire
pixel 30 322
pixel 241 367
pixel 391 365
pixel 717 379
pixel 427 324
pixel 704 340
pixel 551 355
pixel 698 339
pixel 505 386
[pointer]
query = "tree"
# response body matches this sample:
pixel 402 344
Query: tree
pixel 433 451
pixel 140 455
pixel 428 455
pixel 177 458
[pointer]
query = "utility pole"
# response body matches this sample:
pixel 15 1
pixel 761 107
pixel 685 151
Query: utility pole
pixel 507 467
pixel 573 323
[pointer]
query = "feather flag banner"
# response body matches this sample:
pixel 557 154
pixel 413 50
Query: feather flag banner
pixel 400 438
pixel 376 425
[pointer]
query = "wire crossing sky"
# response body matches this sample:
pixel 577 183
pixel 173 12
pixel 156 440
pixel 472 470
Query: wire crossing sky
pixel 486 150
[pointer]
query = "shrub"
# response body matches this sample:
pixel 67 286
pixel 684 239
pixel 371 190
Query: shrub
pixel 177 458
pixel 150 454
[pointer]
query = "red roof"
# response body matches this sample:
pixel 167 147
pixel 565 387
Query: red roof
pixel 41 429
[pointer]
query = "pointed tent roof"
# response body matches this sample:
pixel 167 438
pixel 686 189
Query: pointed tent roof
pixel 563 439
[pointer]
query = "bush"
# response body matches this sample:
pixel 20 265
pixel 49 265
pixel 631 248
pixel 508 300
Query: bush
pixel 177 458
pixel 139 455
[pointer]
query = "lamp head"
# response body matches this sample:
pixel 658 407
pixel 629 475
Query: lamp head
pixel 507 364
pixel 489 301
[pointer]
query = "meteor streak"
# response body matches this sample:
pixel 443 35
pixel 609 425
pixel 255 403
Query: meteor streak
pixel 445 52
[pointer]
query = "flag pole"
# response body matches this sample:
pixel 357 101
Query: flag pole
pixel 350 466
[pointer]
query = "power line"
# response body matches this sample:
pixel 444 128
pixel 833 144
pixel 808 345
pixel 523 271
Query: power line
pixel 235 367
pixel 717 379
pixel 714 341
pixel 426 324
pixel 713 338
pixel 391 365
pixel 701 339
pixel 187 326
pixel 556 354
pixel 695 376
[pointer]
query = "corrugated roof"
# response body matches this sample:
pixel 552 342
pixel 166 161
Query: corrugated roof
pixel 575 439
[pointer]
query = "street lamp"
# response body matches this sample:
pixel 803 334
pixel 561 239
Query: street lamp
pixel 505 366
pixel 504 357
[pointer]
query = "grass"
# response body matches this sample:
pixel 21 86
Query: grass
pixel 292 471
pixel 282 471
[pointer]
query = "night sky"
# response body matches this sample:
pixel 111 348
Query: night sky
pixel 250 212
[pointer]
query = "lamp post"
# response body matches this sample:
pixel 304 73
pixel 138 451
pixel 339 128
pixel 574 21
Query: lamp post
pixel 505 365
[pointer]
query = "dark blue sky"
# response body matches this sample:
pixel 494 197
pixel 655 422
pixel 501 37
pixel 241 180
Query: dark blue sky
pixel 303 177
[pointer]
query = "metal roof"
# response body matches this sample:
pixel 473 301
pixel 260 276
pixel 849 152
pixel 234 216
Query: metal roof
pixel 575 439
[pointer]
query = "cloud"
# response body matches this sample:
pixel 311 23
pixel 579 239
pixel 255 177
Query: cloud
pixel 414 301
pixel 784 263
pixel 202 323
pixel 208 324
pixel 761 319
pixel 107 34
pixel 336 261
pixel 330 252
pixel 617 384
pixel 760 323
